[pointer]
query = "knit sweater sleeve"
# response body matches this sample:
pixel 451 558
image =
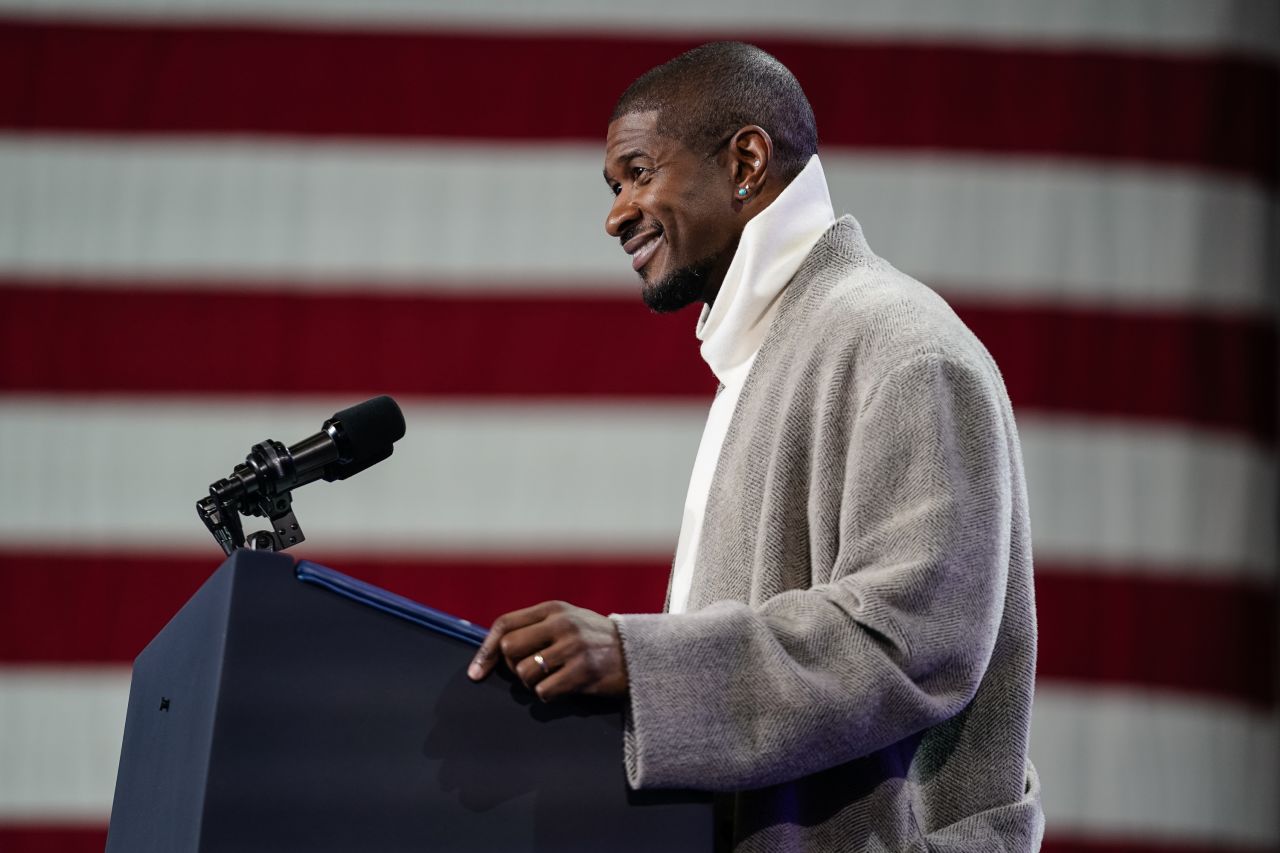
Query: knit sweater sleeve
pixel 733 697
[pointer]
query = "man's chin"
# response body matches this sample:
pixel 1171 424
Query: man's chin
pixel 676 290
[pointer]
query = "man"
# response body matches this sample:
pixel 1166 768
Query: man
pixel 849 647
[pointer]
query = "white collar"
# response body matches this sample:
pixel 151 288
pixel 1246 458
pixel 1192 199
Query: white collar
pixel 772 247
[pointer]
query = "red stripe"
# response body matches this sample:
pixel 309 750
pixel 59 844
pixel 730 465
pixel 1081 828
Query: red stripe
pixel 1212 111
pixel 52 838
pixel 1207 370
pixel 1211 638
pixel 160 341
pixel 1204 370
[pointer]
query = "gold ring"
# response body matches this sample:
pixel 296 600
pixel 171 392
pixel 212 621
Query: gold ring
pixel 541 661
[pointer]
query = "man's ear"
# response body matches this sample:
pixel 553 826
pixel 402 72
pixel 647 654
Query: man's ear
pixel 750 152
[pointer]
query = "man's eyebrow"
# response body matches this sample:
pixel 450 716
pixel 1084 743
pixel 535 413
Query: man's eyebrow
pixel 624 158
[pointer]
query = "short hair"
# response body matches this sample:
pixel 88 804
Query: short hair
pixel 708 93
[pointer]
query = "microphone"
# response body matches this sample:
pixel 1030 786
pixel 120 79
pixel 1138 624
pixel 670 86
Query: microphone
pixel 349 442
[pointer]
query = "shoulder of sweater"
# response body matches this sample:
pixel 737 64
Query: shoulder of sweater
pixel 859 305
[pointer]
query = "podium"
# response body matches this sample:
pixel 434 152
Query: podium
pixel 288 707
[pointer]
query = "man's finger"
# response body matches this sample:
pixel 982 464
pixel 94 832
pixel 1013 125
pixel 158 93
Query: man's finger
pixel 490 650
pixel 483 662
pixel 554 654
pixel 563 681
pixel 516 646
pixel 534 668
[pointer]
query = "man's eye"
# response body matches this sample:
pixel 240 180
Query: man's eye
pixel 615 188
pixel 638 172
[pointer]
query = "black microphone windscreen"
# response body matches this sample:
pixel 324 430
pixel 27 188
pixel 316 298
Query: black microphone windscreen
pixel 365 434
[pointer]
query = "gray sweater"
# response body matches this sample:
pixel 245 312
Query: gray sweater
pixel 857 666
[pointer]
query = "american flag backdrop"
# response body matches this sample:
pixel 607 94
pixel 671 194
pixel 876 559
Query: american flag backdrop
pixel 222 221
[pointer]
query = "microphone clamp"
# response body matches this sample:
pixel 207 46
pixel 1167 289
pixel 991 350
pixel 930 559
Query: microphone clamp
pixel 261 487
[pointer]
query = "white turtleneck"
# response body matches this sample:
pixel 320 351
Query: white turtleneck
pixel 773 246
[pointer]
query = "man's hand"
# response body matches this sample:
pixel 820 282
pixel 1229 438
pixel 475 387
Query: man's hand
pixel 556 649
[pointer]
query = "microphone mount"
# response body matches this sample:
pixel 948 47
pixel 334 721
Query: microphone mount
pixel 248 492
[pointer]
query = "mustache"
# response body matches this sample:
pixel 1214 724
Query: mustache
pixel 638 228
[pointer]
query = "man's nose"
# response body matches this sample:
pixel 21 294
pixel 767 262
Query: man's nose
pixel 622 213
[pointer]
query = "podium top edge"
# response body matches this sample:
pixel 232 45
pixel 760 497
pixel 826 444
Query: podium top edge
pixel 388 602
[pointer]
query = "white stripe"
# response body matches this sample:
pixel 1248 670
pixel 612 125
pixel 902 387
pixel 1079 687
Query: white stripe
pixel 506 478
pixel 1110 761
pixel 60 735
pixel 1149 498
pixel 1248 25
pixel 603 478
pixel 1145 764
pixel 481 216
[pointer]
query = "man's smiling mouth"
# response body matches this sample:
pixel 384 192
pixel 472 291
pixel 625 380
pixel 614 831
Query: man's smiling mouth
pixel 642 247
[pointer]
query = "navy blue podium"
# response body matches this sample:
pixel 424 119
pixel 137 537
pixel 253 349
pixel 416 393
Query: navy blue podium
pixel 288 707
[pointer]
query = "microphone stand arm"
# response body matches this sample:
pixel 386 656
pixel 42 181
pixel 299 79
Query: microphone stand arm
pixel 223 522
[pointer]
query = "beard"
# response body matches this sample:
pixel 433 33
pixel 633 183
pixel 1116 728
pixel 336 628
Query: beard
pixel 677 289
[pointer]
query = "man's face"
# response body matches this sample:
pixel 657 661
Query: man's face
pixel 673 211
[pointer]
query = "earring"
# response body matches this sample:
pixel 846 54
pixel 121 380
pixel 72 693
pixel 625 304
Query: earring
pixel 742 192
pixel 757 164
